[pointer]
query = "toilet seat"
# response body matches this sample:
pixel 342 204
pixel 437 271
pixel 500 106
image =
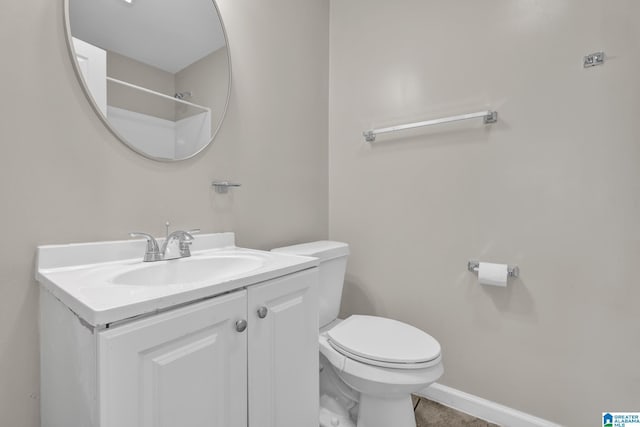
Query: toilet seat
pixel 366 375
pixel 383 342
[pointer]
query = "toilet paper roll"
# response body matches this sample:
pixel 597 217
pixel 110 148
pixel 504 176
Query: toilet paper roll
pixel 493 274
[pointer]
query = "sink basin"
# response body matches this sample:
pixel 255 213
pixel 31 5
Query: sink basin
pixel 189 270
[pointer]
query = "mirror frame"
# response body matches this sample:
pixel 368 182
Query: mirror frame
pixel 105 120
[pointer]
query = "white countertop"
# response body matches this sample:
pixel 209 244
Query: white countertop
pixel 82 276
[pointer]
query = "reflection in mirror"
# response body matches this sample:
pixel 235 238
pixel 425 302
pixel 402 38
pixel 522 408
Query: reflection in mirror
pixel 157 71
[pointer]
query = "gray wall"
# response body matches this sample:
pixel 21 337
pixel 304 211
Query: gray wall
pixel 65 178
pixel 553 187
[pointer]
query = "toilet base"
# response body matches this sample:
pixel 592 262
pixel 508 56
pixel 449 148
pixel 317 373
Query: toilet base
pixel 384 412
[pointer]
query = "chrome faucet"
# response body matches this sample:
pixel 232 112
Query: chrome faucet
pixel 175 246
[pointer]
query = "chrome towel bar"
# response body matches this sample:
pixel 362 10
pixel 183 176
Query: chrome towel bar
pixel 488 118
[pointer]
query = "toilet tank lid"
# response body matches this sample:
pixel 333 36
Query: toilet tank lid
pixel 324 249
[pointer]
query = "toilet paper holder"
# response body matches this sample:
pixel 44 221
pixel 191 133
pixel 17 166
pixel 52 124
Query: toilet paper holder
pixel 512 270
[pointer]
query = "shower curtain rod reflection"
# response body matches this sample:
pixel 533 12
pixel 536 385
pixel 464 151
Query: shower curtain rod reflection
pixel 162 95
pixel 488 116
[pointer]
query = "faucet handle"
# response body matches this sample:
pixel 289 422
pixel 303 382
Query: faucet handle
pixel 185 242
pixel 152 252
pixel 182 235
pixel 150 239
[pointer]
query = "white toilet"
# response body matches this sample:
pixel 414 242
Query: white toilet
pixel 369 365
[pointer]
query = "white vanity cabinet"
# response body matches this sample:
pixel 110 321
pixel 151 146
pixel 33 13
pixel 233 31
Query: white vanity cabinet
pixel 191 366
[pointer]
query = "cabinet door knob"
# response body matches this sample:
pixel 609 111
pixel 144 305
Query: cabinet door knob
pixel 241 325
pixel 262 312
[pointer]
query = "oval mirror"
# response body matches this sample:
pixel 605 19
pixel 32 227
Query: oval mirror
pixel 158 73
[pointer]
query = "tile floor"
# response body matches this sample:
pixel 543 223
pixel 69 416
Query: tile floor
pixel 432 414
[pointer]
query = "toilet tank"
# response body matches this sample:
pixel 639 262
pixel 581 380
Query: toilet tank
pixel 333 264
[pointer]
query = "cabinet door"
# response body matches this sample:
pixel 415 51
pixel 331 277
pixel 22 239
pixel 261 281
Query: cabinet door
pixel 186 367
pixel 283 352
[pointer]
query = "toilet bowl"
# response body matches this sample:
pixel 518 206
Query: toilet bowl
pixel 384 361
pixel 374 364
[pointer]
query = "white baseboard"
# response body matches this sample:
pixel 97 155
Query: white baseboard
pixel 482 408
